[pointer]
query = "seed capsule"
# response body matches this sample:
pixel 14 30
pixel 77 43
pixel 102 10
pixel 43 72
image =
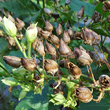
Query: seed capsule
pixel 45 34
pixel 106 6
pixel 51 66
pixel 47 11
pixel 50 49
pixel 59 29
pixel 104 81
pixel 84 94
pixel 71 33
pixel 80 13
pixel 55 15
pixel 96 17
pixel 68 25
pixel 78 36
pixel 21 23
pixel 28 64
pixel 48 26
pixel 12 61
pixel 66 37
pixel 85 19
pixel 10 18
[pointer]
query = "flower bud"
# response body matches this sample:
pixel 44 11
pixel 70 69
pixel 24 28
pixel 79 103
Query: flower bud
pixel 66 37
pixel 80 13
pixel 55 15
pixel 28 64
pixel 12 61
pixel 9 27
pixel 78 36
pixel 64 50
pixel 48 26
pixel 71 33
pixel 74 70
pixel 51 66
pixel 84 94
pixel 31 33
pixel 104 81
pixel 108 19
pixel 59 29
pixel 47 11
pixel 50 49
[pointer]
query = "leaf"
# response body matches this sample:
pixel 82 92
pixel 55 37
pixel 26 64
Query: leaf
pixel 76 5
pixel 22 94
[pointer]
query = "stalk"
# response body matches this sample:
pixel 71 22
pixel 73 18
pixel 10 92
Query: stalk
pixel 29 50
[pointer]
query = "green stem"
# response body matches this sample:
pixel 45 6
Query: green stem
pixel 69 93
pixel 16 40
pixel 29 50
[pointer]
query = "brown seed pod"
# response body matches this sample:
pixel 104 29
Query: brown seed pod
pixel 108 19
pixel 45 34
pixel 10 18
pixel 74 70
pixel 68 25
pixel 66 37
pixel 67 2
pixel 50 49
pixel 12 61
pixel 55 15
pixel 47 11
pixel 86 19
pixel 84 94
pixel 106 6
pixel 48 26
pixel 64 50
pixel 96 17
pixel 104 81
pixel 71 33
pixel 80 13
pixel 59 29
pixel 51 66
pixel 28 64
pixel 78 36
pixel 21 23
pixel 39 30
pixel 11 41
pixel 62 63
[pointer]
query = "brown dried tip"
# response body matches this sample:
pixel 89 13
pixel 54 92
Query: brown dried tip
pixel 55 15
pixel 51 66
pixel 90 37
pixel 64 50
pixel 84 94
pixel 12 61
pixel 66 37
pixel 21 23
pixel 50 49
pixel 96 17
pixel 104 81
pixel 45 34
pixel 74 70
pixel 47 11
pixel 59 29
pixel 48 26
pixel 78 36
pixel 28 64
pixel 106 6
pixel 80 13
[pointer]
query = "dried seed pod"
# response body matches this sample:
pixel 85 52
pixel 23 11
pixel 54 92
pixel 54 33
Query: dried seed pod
pixel 59 29
pixel 50 49
pixel 78 36
pixel 96 17
pixel 67 2
pixel 71 33
pixel 18 26
pixel 12 61
pixel 90 37
pixel 55 15
pixel 47 11
pixel 51 66
pixel 96 59
pixel 45 34
pixel 106 6
pixel 84 94
pixel 68 25
pixel 62 63
pixel 48 26
pixel 104 81
pixel 86 19
pixel 64 50
pixel 74 70
pixel 54 39
pixel 82 56
pixel 108 19
pixel 21 23
pixel 10 18
pixel 28 64
pixel 80 13
pixel 66 37
pixel 39 30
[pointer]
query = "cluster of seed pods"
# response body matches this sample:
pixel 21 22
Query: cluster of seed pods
pixel 57 47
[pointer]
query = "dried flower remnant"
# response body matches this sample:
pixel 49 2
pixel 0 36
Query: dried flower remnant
pixel 59 29
pixel 66 37
pixel 12 61
pixel 96 17
pixel 78 36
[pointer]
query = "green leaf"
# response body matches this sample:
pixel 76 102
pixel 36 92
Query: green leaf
pixel 76 5
pixel 22 94
pixel 10 81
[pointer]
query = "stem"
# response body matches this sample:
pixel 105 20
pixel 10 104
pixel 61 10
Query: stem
pixel 23 52
pixel 29 50
pixel 69 93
